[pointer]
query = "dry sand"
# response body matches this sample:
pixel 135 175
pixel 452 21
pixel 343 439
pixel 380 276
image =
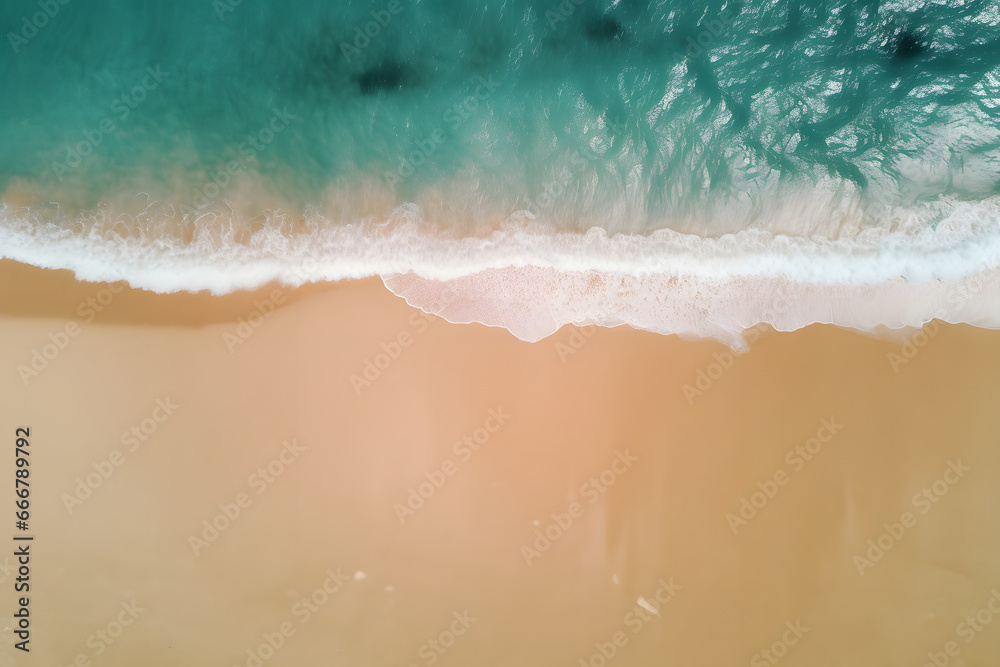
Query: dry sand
pixel 589 436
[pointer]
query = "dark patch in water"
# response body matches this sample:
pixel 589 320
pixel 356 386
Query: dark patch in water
pixel 908 46
pixel 384 76
pixel 605 29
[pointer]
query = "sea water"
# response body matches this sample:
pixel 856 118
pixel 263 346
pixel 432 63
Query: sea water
pixel 689 168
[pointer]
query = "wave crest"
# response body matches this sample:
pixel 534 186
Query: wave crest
pixel 531 278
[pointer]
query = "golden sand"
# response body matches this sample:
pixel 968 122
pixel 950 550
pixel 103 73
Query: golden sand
pixel 325 476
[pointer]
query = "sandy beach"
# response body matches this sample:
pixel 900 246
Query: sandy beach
pixel 325 475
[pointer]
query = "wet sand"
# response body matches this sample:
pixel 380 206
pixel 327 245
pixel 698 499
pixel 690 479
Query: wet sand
pixel 324 475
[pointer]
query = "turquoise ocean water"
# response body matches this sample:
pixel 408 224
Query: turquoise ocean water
pixel 231 142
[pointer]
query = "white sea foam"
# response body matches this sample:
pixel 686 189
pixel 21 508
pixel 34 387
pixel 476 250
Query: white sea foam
pixel 532 279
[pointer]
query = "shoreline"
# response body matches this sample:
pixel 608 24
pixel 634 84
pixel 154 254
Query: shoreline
pixel 531 279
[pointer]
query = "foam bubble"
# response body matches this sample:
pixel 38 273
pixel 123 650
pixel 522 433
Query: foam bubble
pixel 940 261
